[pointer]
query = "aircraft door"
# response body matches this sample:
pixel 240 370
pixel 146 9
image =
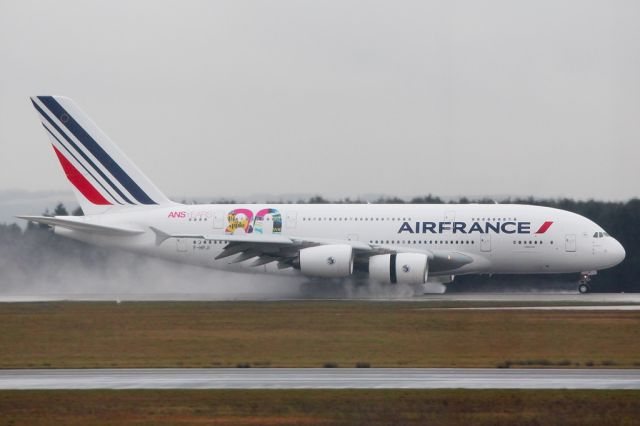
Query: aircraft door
pixel 485 242
pixel 570 242
pixel 218 219
pixel 181 245
pixel 292 219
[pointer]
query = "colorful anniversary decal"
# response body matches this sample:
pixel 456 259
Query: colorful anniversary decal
pixel 244 219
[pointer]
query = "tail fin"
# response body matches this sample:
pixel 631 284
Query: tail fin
pixel 103 177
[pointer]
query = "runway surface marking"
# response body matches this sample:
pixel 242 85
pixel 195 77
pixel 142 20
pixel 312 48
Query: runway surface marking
pixel 321 378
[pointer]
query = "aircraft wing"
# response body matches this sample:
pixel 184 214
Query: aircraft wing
pixel 267 248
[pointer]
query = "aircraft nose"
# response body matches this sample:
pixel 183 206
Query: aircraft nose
pixel 617 252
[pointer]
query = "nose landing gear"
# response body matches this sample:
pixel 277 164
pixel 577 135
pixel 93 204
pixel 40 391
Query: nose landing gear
pixel 583 288
pixel 583 283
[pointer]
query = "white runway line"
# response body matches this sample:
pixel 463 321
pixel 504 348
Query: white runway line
pixel 321 378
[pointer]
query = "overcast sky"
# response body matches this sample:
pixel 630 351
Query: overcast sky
pixel 339 98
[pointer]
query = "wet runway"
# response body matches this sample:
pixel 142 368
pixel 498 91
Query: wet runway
pixel 321 378
pixel 618 299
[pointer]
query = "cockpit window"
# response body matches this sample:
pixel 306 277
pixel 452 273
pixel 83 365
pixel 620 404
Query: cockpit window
pixel 600 235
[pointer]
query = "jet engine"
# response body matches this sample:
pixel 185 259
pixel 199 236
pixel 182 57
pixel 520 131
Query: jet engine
pixel 327 261
pixel 402 268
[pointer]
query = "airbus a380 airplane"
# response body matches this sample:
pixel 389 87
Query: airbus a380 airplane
pixel 388 243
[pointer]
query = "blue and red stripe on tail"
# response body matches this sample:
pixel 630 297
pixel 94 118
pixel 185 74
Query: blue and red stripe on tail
pixel 103 176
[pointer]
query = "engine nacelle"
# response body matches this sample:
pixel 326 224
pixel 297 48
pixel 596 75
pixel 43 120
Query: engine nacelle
pixel 401 268
pixel 330 261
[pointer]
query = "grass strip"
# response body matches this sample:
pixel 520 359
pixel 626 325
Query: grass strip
pixel 320 407
pixel 310 334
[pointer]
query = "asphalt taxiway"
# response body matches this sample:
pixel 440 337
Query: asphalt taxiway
pixel 321 378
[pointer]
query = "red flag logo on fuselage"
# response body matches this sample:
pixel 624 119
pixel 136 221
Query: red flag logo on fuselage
pixel 545 226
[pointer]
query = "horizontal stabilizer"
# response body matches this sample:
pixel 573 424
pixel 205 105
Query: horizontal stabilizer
pixel 79 223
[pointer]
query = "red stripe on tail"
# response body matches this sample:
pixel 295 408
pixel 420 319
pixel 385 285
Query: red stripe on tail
pixel 545 226
pixel 80 182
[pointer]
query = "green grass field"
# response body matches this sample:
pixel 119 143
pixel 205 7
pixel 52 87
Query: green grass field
pixel 309 334
pixel 318 407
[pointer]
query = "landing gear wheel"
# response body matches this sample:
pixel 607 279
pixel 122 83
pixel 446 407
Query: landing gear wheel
pixel 583 288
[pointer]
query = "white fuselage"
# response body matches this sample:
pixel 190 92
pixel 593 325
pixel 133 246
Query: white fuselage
pixel 501 239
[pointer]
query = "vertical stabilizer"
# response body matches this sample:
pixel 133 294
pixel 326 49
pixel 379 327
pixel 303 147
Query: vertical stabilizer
pixel 103 177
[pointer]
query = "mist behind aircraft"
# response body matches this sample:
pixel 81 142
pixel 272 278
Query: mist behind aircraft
pixel 39 265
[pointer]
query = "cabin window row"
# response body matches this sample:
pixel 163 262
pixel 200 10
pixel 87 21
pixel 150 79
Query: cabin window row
pixel 208 242
pixel 421 242
pixel 355 219
pixel 530 242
